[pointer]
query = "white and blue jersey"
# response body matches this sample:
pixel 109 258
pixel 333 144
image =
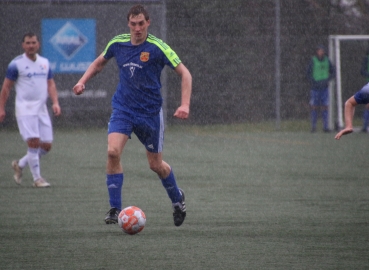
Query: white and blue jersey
pixel 138 92
pixel 30 79
pixel 362 96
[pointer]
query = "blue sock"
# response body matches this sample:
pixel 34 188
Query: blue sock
pixel 170 186
pixel 314 119
pixel 366 119
pixel 325 119
pixel 114 182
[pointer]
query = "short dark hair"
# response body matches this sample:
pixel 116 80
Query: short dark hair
pixel 29 34
pixel 137 10
pixel 320 47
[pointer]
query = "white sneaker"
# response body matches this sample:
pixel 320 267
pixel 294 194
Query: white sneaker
pixel 40 183
pixel 17 172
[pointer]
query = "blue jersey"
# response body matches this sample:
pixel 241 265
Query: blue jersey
pixel 140 66
pixel 362 97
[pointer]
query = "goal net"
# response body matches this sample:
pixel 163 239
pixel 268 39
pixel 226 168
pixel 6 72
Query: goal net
pixel 336 107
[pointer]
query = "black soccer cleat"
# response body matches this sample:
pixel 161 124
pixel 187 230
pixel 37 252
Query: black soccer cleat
pixel 179 210
pixel 112 216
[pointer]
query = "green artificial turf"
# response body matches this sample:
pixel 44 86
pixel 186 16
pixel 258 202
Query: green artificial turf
pixel 256 199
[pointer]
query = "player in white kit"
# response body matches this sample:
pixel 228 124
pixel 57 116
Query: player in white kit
pixel 32 78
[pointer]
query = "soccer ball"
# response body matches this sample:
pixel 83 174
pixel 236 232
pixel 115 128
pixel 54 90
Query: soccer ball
pixel 132 220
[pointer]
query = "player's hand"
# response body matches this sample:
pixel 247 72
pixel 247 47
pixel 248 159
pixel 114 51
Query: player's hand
pixel 344 131
pixel 2 115
pixel 56 109
pixel 182 112
pixel 78 88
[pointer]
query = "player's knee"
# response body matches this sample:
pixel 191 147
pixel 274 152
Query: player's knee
pixel 113 154
pixel 33 143
pixel 46 147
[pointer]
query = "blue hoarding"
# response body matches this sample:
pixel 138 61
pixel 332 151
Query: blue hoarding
pixel 69 44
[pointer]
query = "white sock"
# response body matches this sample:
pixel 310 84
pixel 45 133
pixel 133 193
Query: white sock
pixel 42 152
pixel 34 163
pixel 23 162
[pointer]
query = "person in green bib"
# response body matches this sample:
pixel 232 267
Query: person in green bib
pixel 364 71
pixel 320 71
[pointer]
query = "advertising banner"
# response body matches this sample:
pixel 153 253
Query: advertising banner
pixel 69 44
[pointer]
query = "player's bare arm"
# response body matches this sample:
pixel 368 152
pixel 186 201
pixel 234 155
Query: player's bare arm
pixel 350 105
pixel 4 95
pixel 95 67
pixel 186 85
pixel 53 94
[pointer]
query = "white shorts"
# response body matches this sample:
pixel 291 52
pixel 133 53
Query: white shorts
pixel 35 126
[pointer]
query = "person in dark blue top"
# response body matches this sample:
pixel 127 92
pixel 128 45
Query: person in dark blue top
pixel 137 106
pixel 360 97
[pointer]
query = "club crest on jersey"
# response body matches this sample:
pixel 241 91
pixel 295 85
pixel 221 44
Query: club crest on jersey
pixel 144 57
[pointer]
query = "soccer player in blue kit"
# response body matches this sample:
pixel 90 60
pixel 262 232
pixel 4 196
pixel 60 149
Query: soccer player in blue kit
pixel 137 106
pixel 360 97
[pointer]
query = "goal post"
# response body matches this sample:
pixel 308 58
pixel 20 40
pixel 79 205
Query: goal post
pixel 335 86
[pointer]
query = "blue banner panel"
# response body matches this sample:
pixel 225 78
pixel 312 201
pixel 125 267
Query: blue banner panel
pixel 69 44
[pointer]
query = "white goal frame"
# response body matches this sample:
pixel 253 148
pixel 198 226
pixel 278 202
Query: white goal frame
pixel 334 41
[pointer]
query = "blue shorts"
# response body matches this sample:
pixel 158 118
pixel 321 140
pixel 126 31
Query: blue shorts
pixel 319 98
pixel 362 97
pixel 149 130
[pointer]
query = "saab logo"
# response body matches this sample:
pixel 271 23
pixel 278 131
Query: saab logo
pixel 68 40
pixel 69 44
pixel 144 57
